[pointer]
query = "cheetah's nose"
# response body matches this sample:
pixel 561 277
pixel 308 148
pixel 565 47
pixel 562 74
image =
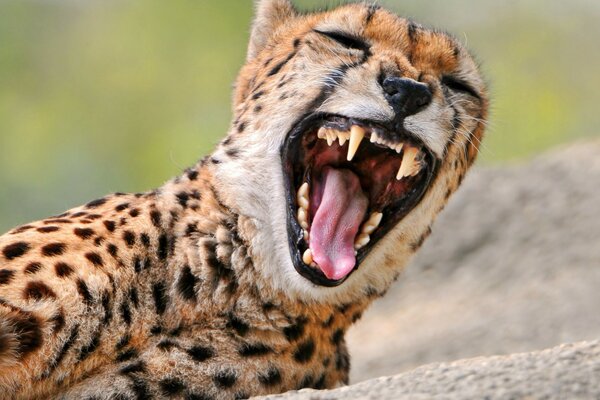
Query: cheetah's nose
pixel 406 96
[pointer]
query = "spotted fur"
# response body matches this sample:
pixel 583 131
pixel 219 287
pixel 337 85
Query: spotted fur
pixel 188 291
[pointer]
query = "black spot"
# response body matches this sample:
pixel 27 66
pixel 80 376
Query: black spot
pixel 166 344
pixel 320 383
pixel 132 368
pixel 200 353
pixel 57 221
pixel 192 175
pixel 98 241
pixel 15 250
pixel 155 216
pixel 63 269
pixel 296 42
pixel 121 207
pixel 106 307
pixel 33 267
pixel 225 378
pixel 182 199
pixel 294 332
pixel 258 95
pixel 134 212
pixel 159 294
pixel 37 290
pixel 137 264
pixel 6 276
pixel 21 229
pixel 94 216
pixel 140 388
pixel 48 229
pixel 163 247
pixel 84 292
pixel 342 361
pixel 241 127
pixel 280 65
pixel 110 225
pixel 171 386
pixel 129 238
pixel 112 249
pixel 133 296
pixel 84 233
pixel 125 312
pixel 233 322
pixel 254 349
pixel 305 351
pixel 176 331
pixel 95 259
pixel 186 284
pixel 58 320
pixel 124 341
pixel 337 337
pixel 271 377
pixel 96 203
pixel 126 355
pixel 356 316
pixel 53 249
pixel 145 239
pixel 89 348
pixel 232 153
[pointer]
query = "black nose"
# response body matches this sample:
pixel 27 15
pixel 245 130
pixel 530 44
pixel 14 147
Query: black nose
pixel 406 96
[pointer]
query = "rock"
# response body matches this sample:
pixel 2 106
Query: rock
pixel 565 372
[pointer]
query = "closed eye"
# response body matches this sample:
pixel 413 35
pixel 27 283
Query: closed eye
pixel 346 40
pixel 459 85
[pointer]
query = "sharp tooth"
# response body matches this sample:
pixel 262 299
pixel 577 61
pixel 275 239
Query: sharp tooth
pixel 303 191
pixel 307 257
pixel 322 133
pixel 374 137
pixel 408 166
pixel 372 223
pixel 302 196
pixel 399 148
pixel 343 136
pixel 361 241
pixel 357 134
pixel 302 219
pixel 331 136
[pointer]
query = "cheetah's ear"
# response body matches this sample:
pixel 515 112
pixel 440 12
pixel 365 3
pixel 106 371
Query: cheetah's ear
pixel 270 14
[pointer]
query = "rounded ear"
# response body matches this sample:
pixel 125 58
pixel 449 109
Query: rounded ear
pixel 270 14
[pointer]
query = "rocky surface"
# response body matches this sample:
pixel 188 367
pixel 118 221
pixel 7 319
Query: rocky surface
pixel 513 266
pixel 564 372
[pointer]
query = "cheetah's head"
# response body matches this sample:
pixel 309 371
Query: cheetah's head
pixel 352 128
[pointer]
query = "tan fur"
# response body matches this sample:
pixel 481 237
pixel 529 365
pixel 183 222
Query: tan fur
pixel 188 291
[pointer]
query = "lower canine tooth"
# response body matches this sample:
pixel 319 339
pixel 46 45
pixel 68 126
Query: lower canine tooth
pixel 307 257
pixel 357 134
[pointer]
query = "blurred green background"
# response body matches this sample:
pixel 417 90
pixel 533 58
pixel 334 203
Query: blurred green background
pixel 98 96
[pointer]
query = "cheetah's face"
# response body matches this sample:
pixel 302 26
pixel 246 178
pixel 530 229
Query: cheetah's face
pixel 358 125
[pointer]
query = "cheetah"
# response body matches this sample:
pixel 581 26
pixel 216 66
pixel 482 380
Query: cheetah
pixel 352 127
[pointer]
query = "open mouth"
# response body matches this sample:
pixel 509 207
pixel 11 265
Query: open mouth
pixel 349 182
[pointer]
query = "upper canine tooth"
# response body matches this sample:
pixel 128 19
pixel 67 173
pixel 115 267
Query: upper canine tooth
pixel 408 167
pixel 357 134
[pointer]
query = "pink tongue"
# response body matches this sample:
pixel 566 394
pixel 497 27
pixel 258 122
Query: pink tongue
pixel 336 222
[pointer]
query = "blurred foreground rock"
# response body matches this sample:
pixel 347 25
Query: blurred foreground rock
pixel 564 372
pixel 513 265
